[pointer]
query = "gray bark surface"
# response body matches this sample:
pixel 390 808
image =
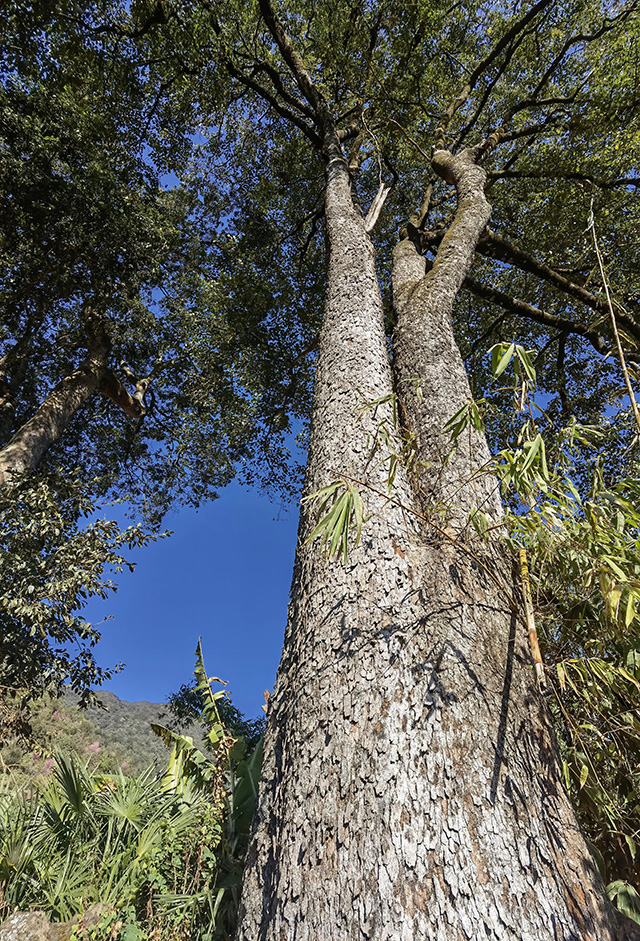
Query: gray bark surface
pixel 410 786
pixel 501 805
pixel 425 351
pixel 30 443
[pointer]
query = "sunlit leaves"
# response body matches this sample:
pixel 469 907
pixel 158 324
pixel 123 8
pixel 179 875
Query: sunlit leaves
pixel 339 509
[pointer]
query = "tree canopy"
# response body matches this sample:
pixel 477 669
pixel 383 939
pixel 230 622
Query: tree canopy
pixel 162 190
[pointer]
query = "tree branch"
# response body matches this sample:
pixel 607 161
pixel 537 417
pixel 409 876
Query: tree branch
pixel 376 206
pixel 486 63
pixel 520 308
pixel 276 78
pixel 558 175
pixel 271 99
pixel 494 246
pixel 292 58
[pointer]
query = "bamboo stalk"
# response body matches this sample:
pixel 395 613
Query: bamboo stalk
pixel 531 624
pixel 614 326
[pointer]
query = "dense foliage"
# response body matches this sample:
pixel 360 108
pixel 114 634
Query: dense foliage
pixel 159 162
pixel 162 849
pixel 109 263
pixel 53 558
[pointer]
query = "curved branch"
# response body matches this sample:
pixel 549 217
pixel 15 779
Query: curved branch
pixel 494 246
pixel 518 308
pixel 30 443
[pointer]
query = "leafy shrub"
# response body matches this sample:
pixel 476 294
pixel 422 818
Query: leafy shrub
pixel 164 850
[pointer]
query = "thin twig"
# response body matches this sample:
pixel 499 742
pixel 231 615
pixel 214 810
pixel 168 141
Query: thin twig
pixel 614 326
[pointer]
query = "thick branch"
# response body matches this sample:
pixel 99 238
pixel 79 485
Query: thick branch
pixel 423 297
pixel 559 175
pixel 292 57
pixel 31 442
pixel 331 146
pixel 520 308
pixel 111 387
pixel 495 246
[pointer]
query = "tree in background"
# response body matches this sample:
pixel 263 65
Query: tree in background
pixel 128 370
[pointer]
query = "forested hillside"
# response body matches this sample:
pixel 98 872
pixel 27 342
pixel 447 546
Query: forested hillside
pixel 116 735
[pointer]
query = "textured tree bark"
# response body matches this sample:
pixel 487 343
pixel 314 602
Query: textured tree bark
pixel 431 378
pixel 410 786
pixel 501 843
pixel 327 845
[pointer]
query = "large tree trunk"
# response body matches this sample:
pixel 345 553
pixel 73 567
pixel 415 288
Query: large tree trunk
pixel 329 824
pixel 410 787
pixel 500 842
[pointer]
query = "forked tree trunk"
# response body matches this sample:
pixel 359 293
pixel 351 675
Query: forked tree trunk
pixel 430 375
pixel 410 788
pixel 502 854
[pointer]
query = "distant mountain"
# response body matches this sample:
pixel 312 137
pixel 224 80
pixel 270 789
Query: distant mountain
pixel 128 726
pixel 118 735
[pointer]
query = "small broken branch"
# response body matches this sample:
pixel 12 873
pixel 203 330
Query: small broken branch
pixel 531 624
pixel 376 206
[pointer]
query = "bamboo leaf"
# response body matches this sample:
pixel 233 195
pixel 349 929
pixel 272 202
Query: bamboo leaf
pixel 504 361
pixel 527 365
pixel 341 522
pixel 532 447
pixel 562 675
pixel 584 774
pixel 630 612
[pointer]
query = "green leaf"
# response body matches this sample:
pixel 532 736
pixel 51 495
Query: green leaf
pixel 532 449
pixel 630 612
pixel 504 361
pixel 584 774
pixel 527 365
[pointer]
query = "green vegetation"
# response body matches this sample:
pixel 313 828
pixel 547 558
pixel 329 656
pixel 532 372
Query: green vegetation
pixel 161 273
pixel 162 848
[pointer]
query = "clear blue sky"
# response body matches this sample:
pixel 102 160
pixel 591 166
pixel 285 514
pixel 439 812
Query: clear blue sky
pixel 224 575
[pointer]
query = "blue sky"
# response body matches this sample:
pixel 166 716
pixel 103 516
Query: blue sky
pixel 224 575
